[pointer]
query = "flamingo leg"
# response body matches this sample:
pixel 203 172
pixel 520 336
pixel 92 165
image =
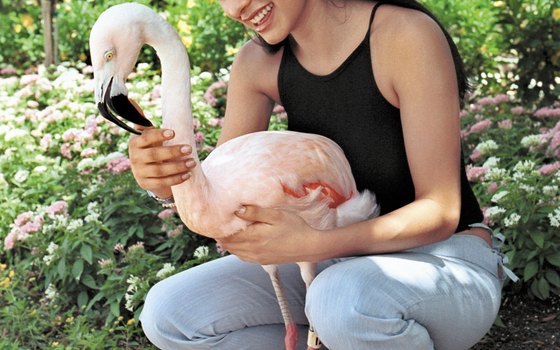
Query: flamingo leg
pixel 308 271
pixel 290 340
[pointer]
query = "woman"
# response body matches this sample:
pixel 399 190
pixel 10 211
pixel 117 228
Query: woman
pixel 385 83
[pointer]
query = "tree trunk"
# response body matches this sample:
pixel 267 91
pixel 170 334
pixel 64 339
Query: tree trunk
pixel 47 9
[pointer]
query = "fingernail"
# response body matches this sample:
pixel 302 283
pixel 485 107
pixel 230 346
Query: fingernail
pixel 241 210
pixel 186 176
pixel 186 149
pixel 168 133
pixel 190 163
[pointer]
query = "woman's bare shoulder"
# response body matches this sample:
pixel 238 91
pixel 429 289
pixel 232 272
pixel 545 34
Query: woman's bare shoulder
pixel 257 68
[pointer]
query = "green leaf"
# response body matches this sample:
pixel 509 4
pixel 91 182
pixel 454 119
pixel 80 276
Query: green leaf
pixel 87 253
pixel 115 309
pixel 78 268
pixel 552 277
pixel 82 298
pixel 544 288
pixel 530 270
pixel 61 268
pixel 87 280
pixel 538 238
pixel 554 259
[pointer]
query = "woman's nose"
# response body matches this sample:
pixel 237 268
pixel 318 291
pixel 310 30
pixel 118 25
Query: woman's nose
pixel 234 8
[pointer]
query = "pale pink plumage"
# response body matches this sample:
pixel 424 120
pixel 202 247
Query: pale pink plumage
pixel 305 173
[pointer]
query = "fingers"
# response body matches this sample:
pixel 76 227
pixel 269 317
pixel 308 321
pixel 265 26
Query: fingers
pixel 162 182
pixel 177 167
pixel 155 166
pixel 150 137
pixel 258 214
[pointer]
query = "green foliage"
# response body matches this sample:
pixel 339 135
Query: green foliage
pixel 514 162
pixel 532 31
pixel 211 38
pixel 83 239
pixel 472 25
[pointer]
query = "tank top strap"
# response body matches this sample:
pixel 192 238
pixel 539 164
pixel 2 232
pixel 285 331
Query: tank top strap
pixel 373 11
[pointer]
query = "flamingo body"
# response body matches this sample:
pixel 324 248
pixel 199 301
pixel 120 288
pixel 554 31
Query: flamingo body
pixel 303 173
pixel 273 169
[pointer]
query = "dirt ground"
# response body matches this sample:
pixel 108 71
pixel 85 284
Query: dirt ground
pixel 529 325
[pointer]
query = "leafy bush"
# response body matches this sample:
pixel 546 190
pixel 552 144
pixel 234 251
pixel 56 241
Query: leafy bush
pixel 514 165
pixel 81 237
pixel 472 25
pixel 532 31
pixel 208 34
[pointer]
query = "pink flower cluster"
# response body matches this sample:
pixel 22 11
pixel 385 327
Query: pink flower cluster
pixel 496 100
pixel 23 225
pixel 118 165
pixel 548 169
pixel 552 138
pixel 480 126
pixel 475 173
pixel 57 208
pixel 547 112
pixel 210 96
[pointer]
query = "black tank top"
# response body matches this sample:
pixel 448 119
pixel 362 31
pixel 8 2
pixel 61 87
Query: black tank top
pixel 347 107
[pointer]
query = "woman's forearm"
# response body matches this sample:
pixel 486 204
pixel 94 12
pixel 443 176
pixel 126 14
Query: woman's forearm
pixel 421 222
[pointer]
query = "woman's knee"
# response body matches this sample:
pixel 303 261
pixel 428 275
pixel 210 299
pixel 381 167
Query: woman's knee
pixel 158 313
pixel 353 308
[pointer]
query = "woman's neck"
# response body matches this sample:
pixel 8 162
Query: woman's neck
pixel 327 33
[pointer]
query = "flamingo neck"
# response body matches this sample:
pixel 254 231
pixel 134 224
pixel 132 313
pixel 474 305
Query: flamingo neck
pixel 175 87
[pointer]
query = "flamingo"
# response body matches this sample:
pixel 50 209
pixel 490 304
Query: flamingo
pixel 303 173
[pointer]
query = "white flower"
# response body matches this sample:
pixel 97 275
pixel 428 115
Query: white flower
pixel 15 134
pixel 499 196
pixel 40 169
pixel 133 283
pixel 85 163
pixel 52 247
pixel 21 175
pixel 487 146
pixel 50 292
pixel 495 175
pixel 531 141
pixel 165 271
pixel 75 224
pixel 201 252
pixel 491 162
pixel 205 75
pixel 512 220
pixel 48 259
pixel 550 190
pixel 494 211
pixel 527 188
pixel 525 166
pixel 554 218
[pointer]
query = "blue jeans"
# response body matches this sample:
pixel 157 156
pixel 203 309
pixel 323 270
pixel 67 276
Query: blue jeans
pixel 441 296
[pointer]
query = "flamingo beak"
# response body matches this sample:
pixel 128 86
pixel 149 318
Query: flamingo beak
pixel 121 105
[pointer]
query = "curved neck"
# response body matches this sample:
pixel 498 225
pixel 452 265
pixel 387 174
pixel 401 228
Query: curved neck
pixel 176 85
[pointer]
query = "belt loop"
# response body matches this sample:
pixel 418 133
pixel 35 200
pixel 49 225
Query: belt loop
pixel 497 240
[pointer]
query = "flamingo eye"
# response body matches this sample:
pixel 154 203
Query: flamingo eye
pixel 109 55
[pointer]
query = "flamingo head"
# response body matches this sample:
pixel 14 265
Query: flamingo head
pixel 115 42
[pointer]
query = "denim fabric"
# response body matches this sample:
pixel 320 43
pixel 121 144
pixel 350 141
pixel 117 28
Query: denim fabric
pixel 441 296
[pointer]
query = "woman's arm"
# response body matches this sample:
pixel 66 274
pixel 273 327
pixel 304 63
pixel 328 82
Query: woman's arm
pixel 251 92
pixel 419 77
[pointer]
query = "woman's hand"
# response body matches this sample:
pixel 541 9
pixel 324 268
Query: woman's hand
pixel 156 167
pixel 276 237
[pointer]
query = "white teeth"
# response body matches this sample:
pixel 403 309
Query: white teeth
pixel 261 14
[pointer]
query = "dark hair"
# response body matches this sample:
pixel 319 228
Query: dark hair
pixel 462 79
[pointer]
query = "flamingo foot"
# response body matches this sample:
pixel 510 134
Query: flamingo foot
pixel 291 338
